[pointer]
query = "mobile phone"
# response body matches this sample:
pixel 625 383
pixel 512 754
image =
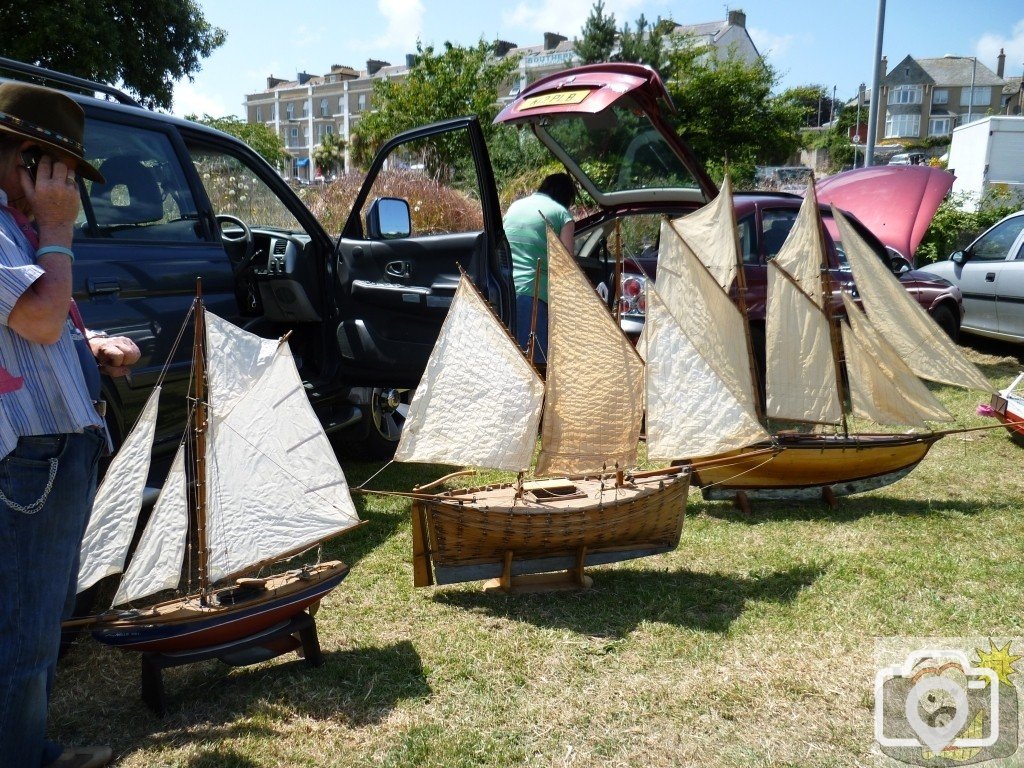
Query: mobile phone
pixel 30 159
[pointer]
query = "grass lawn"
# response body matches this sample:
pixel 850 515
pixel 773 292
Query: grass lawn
pixel 750 645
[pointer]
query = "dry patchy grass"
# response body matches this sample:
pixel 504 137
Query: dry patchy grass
pixel 750 645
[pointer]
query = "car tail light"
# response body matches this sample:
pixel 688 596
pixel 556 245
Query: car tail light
pixel 632 299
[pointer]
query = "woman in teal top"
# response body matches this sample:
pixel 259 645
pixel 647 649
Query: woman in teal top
pixel 526 231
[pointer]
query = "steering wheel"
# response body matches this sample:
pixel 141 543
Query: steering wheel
pixel 244 239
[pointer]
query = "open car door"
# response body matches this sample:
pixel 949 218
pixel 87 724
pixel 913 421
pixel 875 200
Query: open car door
pixel 428 206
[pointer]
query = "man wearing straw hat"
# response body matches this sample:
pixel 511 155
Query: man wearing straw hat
pixel 51 425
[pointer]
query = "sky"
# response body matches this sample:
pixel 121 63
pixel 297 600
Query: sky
pixel 808 42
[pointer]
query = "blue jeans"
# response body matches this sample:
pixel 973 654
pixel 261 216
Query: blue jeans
pixel 47 485
pixel 524 318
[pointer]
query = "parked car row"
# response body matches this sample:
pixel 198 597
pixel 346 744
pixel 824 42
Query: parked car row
pixel 183 201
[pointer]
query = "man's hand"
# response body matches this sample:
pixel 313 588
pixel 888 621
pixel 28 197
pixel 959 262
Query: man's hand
pixel 114 354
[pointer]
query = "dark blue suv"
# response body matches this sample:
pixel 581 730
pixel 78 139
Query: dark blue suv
pixel 183 201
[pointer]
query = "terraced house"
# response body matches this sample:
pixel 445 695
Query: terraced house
pixel 931 97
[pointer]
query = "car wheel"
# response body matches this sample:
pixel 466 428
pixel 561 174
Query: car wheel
pixel 947 321
pixel 389 408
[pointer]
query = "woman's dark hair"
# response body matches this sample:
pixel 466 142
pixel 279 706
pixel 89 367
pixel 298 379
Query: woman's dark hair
pixel 559 187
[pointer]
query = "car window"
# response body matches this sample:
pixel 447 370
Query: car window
pixel 441 202
pixel 237 190
pixel 619 149
pixel 995 244
pixel 775 227
pixel 748 240
pixel 145 194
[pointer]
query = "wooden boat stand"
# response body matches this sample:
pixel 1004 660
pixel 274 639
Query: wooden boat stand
pixel 528 583
pixel 297 634
pixel 742 502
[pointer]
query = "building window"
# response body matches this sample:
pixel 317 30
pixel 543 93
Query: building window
pixel 341 104
pixel 902 125
pixel 324 109
pixel 939 126
pixel 293 137
pixel 329 129
pixel 940 96
pixel 982 96
pixel 273 112
pixel 361 101
pixel 305 109
pixel 906 94
pixel 290 111
pixel 259 114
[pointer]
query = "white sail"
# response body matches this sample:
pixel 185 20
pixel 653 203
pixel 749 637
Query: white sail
pixel 800 379
pixel 157 561
pixel 705 312
pixel 690 411
pixel 115 510
pixel 711 232
pixel 479 401
pixel 594 396
pixel 929 352
pixel 273 482
pixel 882 387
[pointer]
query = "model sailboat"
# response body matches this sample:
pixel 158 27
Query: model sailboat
pixel 885 351
pixel 479 405
pixel 255 482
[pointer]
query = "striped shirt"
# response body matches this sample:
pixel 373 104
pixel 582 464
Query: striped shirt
pixel 53 397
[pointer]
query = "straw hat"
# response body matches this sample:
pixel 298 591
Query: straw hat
pixel 48 118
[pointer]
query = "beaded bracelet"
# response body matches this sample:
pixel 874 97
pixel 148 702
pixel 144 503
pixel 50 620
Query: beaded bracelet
pixel 56 249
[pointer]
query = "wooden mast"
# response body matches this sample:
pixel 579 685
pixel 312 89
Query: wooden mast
pixel 826 300
pixel 199 426
pixel 741 296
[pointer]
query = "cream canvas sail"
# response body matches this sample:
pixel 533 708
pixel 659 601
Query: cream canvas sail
pixel 594 395
pixel 690 411
pixel 274 484
pixel 115 510
pixel 157 561
pixel 882 387
pixel 800 378
pixel 479 401
pixel 898 318
pixel 711 233
pixel 705 313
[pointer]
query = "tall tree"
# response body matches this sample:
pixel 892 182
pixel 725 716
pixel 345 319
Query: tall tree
pixel 728 113
pixel 257 135
pixel 646 45
pixel 458 81
pixel 598 35
pixel 144 45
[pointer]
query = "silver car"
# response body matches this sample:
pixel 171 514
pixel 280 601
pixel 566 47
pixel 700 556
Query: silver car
pixel 990 273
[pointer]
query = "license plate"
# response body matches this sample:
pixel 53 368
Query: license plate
pixel 552 99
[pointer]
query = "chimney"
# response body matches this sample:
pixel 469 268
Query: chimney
pixel 1001 63
pixel 501 47
pixel 373 66
pixel 885 65
pixel 552 39
pixel 737 19
pixel 303 77
pixel 411 59
pixel 273 82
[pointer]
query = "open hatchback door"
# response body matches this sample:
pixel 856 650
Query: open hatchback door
pixel 605 123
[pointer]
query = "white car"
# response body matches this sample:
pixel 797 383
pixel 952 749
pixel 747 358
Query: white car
pixel 990 274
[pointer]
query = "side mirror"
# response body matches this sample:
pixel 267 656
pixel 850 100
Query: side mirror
pixel 388 219
pixel 958 257
pixel 899 265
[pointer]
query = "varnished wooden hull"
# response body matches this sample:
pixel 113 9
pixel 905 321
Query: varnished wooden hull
pixel 184 624
pixel 481 533
pixel 808 463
